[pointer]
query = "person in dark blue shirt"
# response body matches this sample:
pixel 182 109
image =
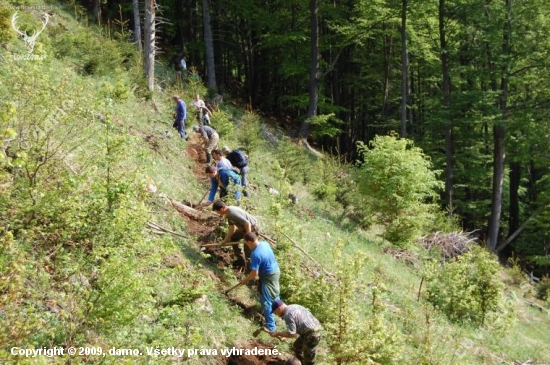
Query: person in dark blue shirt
pixel 181 116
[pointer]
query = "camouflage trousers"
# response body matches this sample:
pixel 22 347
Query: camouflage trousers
pixel 305 347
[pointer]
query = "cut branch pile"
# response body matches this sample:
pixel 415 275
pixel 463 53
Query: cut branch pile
pixel 450 244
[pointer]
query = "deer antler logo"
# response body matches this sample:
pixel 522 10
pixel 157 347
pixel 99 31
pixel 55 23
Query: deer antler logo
pixel 29 40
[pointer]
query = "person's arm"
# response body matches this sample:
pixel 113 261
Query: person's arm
pixel 184 111
pixel 253 275
pixel 247 227
pixel 207 110
pixel 213 189
pixel 230 233
pixel 283 334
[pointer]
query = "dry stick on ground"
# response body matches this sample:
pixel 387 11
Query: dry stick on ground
pixel 158 228
pixel 268 239
pixel 309 257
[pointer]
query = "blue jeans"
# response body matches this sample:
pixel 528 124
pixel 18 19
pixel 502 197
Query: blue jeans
pixel 180 126
pixel 269 291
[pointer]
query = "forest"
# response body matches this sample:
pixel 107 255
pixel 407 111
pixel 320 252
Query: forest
pixel 463 79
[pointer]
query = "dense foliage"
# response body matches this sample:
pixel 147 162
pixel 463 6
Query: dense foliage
pixel 462 79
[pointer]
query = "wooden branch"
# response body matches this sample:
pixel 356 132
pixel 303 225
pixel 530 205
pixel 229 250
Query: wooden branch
pixel 221 244
pixel 309 257
pixel 518 231
pixel 311 149
pixel 158 228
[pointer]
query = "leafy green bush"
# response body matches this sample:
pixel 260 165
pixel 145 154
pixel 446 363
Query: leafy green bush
pixel 398 184
pixel 222 122
pixel 249 132
pixel 467 288
pixel 6 31
pixel 356 332
pixel 543 289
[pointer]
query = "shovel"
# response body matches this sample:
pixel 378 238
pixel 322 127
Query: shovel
pixel 200 201
pixel 220 244
pixel 233 287
pixel 260 330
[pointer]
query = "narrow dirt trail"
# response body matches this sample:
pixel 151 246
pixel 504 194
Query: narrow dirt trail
pixel 206 230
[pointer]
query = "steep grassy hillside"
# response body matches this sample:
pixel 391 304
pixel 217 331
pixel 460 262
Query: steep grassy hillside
pixel 93 257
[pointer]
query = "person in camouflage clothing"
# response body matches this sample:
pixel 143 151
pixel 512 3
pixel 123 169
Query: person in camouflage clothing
pixel 302 324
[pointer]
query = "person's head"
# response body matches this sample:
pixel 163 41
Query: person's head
pixel 196 129
pixel 217 154
pixel 176 98
pixel 219 207
pixel 210 171
pixel 197 97
pixel 225 150
pixel 278 307
pixel 251 240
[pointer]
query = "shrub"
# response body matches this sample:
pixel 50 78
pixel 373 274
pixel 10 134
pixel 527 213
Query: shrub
pixel 249 133
pixel 466 288
pixel 398 184
pixel 6 31
pixel 222 123
pixel 356 332
pixel 543 289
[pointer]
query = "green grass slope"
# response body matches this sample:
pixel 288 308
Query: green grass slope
pixel 81 267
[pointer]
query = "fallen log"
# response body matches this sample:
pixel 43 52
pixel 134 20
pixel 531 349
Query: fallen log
pixel 184 209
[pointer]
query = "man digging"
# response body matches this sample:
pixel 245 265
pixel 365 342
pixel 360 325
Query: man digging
pixel 240 223
pixel 302 324
pixel 264 265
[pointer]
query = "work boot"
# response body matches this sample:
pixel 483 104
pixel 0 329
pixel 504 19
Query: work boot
pixel 208 157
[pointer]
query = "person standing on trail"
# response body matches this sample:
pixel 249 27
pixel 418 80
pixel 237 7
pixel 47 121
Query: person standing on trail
pixel 223 163
pixel 181 116
pixel 302 324
pixel 239 160
pixel 240 223
pixel 264 265
pixel 202 112
pixel 210 138
pixel 224 179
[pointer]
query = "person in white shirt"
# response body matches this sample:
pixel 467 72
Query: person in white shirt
pixel 202 113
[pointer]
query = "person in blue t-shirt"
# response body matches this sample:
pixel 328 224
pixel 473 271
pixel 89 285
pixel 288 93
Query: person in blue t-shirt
pixel 264 265
pixel 226 180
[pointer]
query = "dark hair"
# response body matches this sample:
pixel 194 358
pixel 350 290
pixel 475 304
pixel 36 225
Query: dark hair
pixel 216 152
pixel 250 237
pixel 218 205
pixel 210 169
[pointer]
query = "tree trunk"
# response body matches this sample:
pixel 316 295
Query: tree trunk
pixel 448 129
pixel 314 68
pixel 499 135
pixel 137 26
pixel 514 176
pixel 97 11
pixel 404 70
pixel 149 44
pixel 209 44
pixel 388 49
